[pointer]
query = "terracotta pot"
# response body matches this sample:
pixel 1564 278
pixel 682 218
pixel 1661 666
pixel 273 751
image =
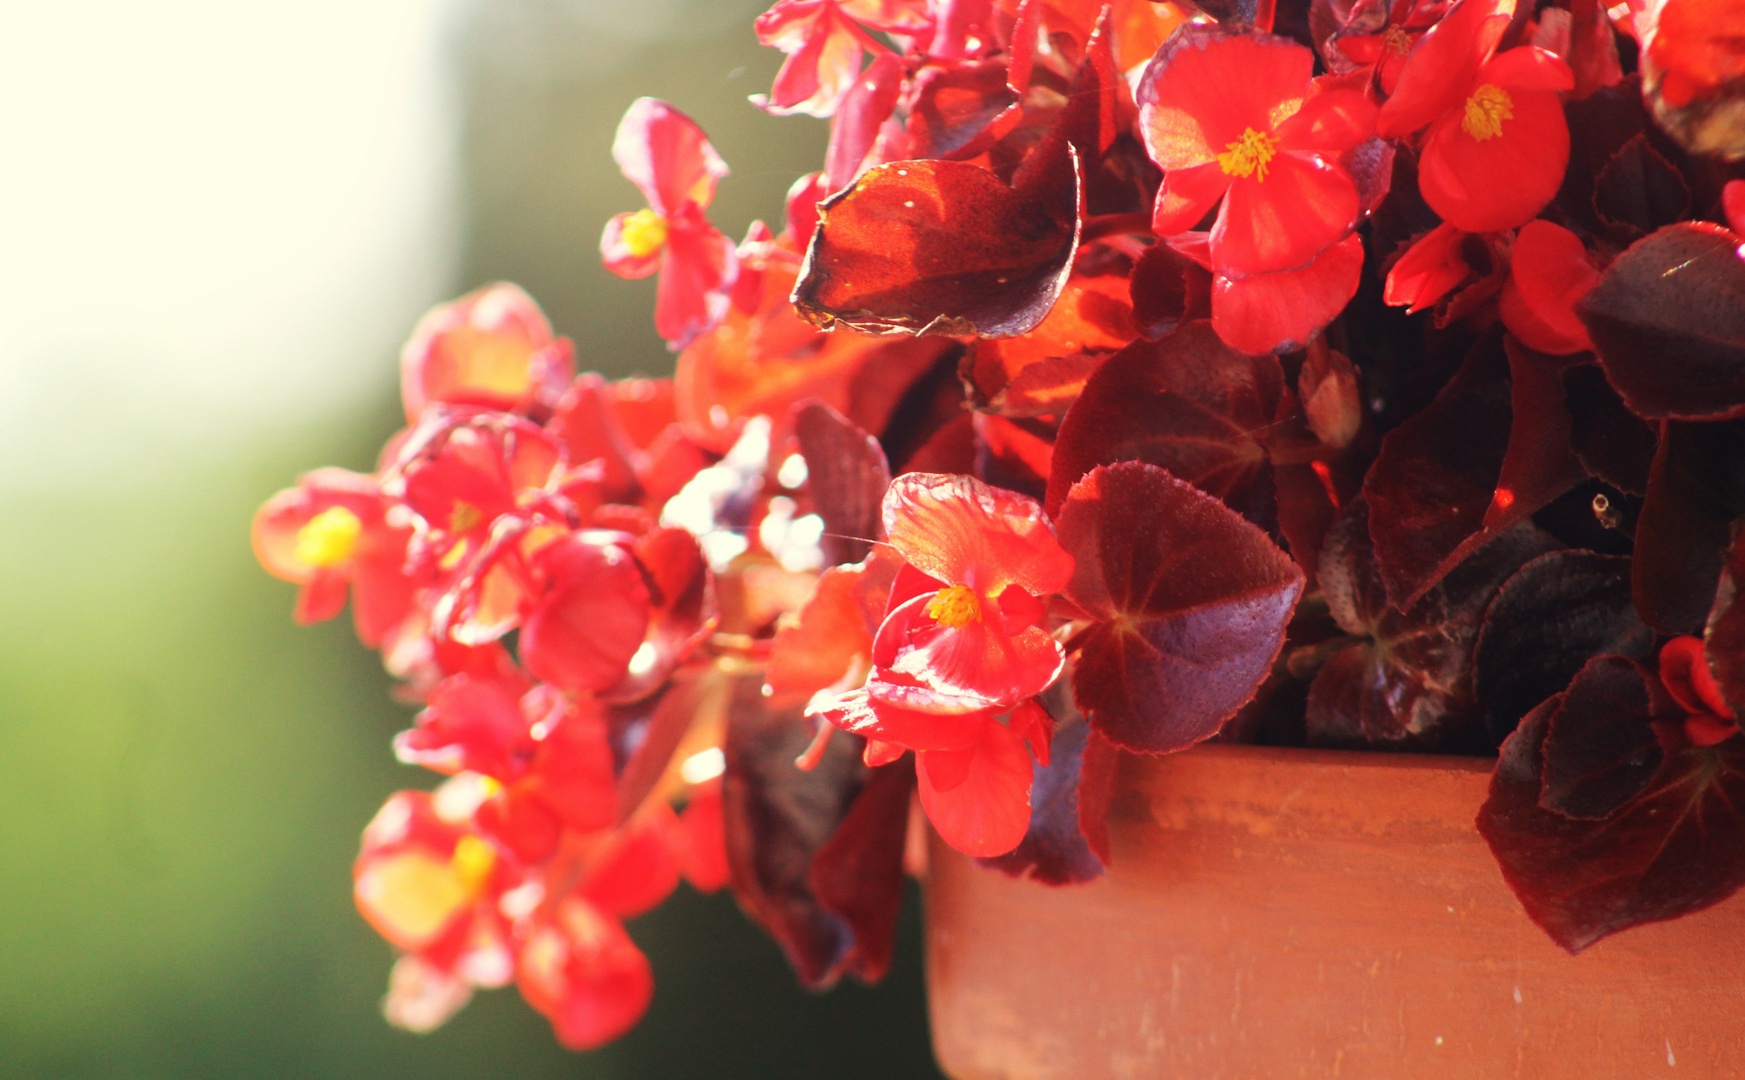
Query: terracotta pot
pixel 1291 913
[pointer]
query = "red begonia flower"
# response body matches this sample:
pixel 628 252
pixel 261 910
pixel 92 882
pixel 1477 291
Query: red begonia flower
pixel 824 41
pixel 493 348
pixel 421 880
pixel 473 724
pixel 977 641
pixel 1237 118
pixel 666 155
pixel 1684 670
pixel 1497 143
pixel 1549 273
pixel 1733 205
pixel 579 968
pixel 978 798
pixel 702 839
pixel 638 866
pixel 330 534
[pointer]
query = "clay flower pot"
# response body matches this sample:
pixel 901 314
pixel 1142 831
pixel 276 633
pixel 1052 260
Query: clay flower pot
pixel 1285 913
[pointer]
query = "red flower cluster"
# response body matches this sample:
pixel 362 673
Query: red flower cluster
pixel 1018 444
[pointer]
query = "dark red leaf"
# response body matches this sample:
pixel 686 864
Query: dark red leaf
pixel 1600 749
pixel 1407 678
pixel 1168 289
pixel 644 736
pixel 1724 637
pixel 863 110
pixel 858 874
pixel 1042 372
pixel 777 818
pixel 1097 772
pixel 1054 851
pixel 1191 603
pixel 1639 189
pixel 846 477
pixel 1611 442
pixel 1554 615
pixel 1668 322
pixel 938 247
pixel 1189 404
pixel 957 109
pixel 1490 450
pixel 1676 847
pixel 1695 491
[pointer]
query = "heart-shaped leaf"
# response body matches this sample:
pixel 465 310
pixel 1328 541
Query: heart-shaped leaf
pixel 1191 604
pixel 1668 322
pixel 846 476
pixel 1676 846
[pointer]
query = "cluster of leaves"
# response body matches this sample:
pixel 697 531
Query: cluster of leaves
pixel 1133 374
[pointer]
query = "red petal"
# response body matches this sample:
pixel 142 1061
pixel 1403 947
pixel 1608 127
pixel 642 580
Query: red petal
pixel 988 811
pixel 864 108
pixel 1430 269
pixel 492 347
pixel 582 636
pixel 1439 71
pixel 1485 185
pixel 1303 206
pixel 638 871
pixel 977 661
pixel 321 597
pixel 860 713
pixel 666 155
pixel 619 258
pixel 816 76
pixel 704 857
pixel 1530 68
pixel 1330 122
pixel 1548 275
pixel 1186 195
pixel 962 531
pixel 1206 87
pixel 1282 311
pixel 583 972
pixel 1733 202
pixel 696 269
pixel 1684 669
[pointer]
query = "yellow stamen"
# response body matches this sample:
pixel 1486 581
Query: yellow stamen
pixel 463 517
pixel 643 232
pixel 473 861
pixel 1396 41
pixel 955 606
pixel 1486 110
pixel 328 538
pixel 1249 155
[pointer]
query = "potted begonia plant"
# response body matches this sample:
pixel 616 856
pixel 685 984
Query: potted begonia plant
pixel 1330 378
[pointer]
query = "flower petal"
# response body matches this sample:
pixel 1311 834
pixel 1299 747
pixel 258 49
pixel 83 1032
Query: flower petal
pixel 1281 311
pixel 987 811
pixel 1442 66
pixel 1330 122
pixel 696 271
pixel 1484 185
pixel 1185 195
pixel 620 257
pixel 1303 206
pixel 962 531
pixel 976 661
pixel 666 155
pixel 1207 86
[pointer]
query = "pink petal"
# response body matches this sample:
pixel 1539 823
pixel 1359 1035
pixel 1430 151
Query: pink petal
pixel 666 155
pixel 962 531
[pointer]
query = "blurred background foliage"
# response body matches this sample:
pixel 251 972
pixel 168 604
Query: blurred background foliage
pixel 229 219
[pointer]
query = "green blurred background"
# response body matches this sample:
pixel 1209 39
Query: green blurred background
pixel 219 222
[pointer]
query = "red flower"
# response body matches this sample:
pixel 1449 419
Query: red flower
pixel 330 534
pixel 1497 143
pixel 1684 670
pixel 824 41
pixel 972 639
pixel 579 968
pixel 1237 118
pixel 666 155
pixel 493 347
pixel 1548 275
pixel 973 773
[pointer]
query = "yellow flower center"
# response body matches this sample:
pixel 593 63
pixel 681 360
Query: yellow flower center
pixel 464 517
pixel 1248 155
pixel 955 606
pixel 1396 41
pixel 643 232
pixel 472 861
pixel 1486 110
pixel 328 538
